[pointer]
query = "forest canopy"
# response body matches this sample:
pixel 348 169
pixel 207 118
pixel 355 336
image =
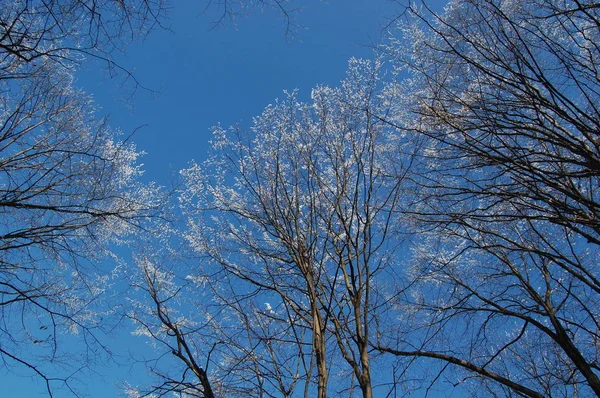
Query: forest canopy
pixel 430 226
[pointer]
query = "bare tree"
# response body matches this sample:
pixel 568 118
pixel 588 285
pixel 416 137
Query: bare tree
pixel 67 32
pixel 68 186
pixel 210 345
pixel 163 321
pixel 68 189
pixel 506 286
pixel 292 223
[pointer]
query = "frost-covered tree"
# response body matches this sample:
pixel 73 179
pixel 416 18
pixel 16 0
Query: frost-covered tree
pixel 69 188
pixel 293 223
pixel 166 312
pixel 68 185
pixel 66 32
pixel 506 287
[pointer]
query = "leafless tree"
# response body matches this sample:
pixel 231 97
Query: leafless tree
pixel 506 284
pixel 66 32
pixel 162 322
pixel 292 223
pixel 68 186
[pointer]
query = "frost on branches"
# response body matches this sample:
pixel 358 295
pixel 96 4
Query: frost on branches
pixel 69 189
pixel 291 223
pixel 484 149
pixel 506 277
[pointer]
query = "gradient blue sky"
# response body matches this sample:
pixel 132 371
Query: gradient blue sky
pixel 203 77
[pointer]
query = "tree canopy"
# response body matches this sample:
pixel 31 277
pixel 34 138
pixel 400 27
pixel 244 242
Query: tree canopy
pixel 429 225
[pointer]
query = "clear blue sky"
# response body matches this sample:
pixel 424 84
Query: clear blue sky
pixel 229 74
pixel 205 77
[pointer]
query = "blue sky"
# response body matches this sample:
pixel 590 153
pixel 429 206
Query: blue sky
pixel 228 74
pixel 205 76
